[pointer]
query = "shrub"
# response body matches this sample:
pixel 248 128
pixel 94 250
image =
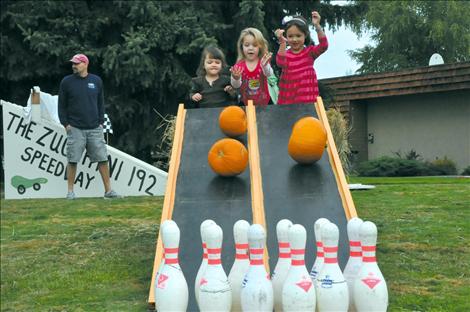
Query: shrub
pixel 386 166
pixel 441 167
pixel 410 155
pixel 340 131
pixel 466 171
pixel 162 153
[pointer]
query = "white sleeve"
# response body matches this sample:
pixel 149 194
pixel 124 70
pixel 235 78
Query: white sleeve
pixel 267 70
pixel 236 83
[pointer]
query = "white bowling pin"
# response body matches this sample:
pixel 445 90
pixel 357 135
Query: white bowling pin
pixel 215 293
pixel 202 267
pixel 283 263
pixel 241 264
pixel 355 258
pixel 370 288
pixel 171 282
pixel 298 292
pixel 162 262
pixel 330 285
pixel 318 264
pixel 257 289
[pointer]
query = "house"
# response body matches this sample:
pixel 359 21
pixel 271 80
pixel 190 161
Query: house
pixel 423 109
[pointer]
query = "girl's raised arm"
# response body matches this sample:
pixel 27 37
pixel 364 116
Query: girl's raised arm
pixel 281 53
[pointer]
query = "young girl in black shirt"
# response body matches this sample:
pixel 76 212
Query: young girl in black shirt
pixel 211 88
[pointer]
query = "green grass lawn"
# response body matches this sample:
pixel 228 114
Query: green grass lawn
pixel 83 255
pixel 96 255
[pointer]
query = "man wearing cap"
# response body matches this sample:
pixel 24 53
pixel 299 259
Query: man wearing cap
pixel 81 112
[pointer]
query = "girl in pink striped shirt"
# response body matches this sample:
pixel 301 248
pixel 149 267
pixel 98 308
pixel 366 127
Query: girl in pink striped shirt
pixel 298 83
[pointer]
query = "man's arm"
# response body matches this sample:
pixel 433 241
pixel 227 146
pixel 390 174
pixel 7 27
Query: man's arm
pixel 62 106
pixel 101 105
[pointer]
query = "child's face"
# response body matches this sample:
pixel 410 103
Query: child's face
pixel 295 38
pixel 250 48
pixel 212 66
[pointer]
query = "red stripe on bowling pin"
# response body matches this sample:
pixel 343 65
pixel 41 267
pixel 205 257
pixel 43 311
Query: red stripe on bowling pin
pixel 330 254
pixel 320 250
pixel 241 246
pixel 240 256
pixel 298 262
pixel 214 261
pixel 171 255
pixel 204 248
pixel 298 256
pixel 255 256
pixel 355 249
pixel 368 254
pixel 213 256
pixel 284 250
pixel 213 251
pixel 241 251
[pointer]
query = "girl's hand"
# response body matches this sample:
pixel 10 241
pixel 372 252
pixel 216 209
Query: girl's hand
pixel 236 72
pixel 266 59
pixel 316 18
pixel 228 89
pixel 279 35
pixel 196 97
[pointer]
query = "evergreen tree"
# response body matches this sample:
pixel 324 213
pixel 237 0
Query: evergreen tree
pixel 145 51
pixel 251 14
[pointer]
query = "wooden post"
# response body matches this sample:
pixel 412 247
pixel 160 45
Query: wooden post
pixel 343 188
pixel 35 96
pixel 35 104
pixel 257 196
pixel 169 200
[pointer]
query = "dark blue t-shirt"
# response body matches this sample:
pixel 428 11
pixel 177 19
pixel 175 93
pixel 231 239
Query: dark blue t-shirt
pixel 81 101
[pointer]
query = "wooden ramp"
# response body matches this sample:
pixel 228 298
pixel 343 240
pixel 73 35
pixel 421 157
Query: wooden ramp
pixel 273 188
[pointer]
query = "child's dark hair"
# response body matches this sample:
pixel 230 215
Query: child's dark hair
pixel 302 25
pixel 212 52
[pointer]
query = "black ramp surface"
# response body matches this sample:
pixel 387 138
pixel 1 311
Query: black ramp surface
pixel 201 194
pixel 301 194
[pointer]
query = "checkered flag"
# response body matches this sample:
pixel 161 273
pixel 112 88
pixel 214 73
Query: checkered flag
pixel 107 127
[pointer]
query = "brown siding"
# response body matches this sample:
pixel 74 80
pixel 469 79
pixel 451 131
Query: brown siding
pixel 419 80
pixel 356 95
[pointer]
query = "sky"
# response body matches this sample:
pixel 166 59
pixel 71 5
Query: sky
pixel 336 62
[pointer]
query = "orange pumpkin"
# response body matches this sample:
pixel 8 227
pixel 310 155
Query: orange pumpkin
pixel 228 157
pixel 307 141
pixel 232 121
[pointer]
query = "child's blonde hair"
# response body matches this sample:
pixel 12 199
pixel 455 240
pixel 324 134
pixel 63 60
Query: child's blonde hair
pixel 259 39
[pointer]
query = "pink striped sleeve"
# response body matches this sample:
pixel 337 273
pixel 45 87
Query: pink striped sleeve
pixel 281 60
pixel 320 48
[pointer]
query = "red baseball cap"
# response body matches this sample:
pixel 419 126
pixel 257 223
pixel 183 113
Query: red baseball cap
pixel 79 58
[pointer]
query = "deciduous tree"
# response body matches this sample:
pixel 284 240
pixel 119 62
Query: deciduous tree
pixel 407 33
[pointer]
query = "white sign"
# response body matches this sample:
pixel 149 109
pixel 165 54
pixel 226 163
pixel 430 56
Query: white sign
pixel 35 163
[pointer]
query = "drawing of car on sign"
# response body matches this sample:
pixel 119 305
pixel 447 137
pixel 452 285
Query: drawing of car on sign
pixel 22 183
